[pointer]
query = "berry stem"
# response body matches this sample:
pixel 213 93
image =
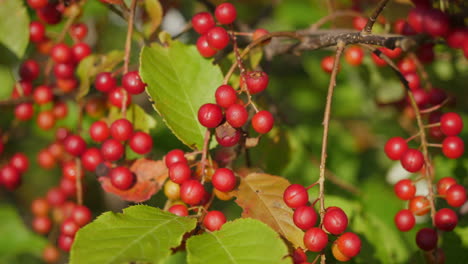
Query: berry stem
pixel 432 125
pixel 435 107
pixel 371 21
pixel 79 186
pixel 128 49
pixel 326 120
pixel 413 137
pixel 205 154
pixel 434 145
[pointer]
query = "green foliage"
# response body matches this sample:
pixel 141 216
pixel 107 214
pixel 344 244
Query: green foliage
pixel 14 26
pixel 7 82
pixel 15 237
pixel 180 81
pixel 243 241
pixel 140 233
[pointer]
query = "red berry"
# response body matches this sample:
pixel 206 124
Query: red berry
pixel 210 115
pixel 225 96
pixel 421 97
pixel 36 4
pixel 192 192
pixel 61 53
pixel 404 220
pixel 179 172
pixel 60 110
pixel 228 137
pixel 391 53
pixel 40 207
pixel 43 94
pixel 226 13
pixel 413 80
pixel 456 195
pixel 426 239
pixel 204 48
pixel 179 210
pixel 327 64
pixel 457 37
pixel 446 219
pixel 23 88
pixel 70 170
pixel 29 70
pixel 99 131
pixel 91 158
pixel 81 215
pixel 42 224
pixel 10 177
pixel 36 31
pixel 377 60
pixel 395 147
pixel 141 142
pixel 315 239
pixel 80 51
pixel 49 14
pixel 295 196
pixel 45 159
pixel 262 122
pixel 121 129
pixel 56 197
pixel 444 184
pixel 260 32
pixel 451 124
pixel 112 150
pixel 24 111
pixel 416 18
pixel 338 254
pixel 122 178
pixel 174 156
pixel 436 23
pixel 64 70
pixel 305 217
pixel 299 256
pixel 67 85
pixel 104 82
pixel 437 96
pixel 20 162
pixel 412 160
pixel 50 254
pixel 224 180
pixel 335 220
pixel 453 147
pixel 79 31
pixel 426 53
pixel 236 115
pixel 256 81
pixel 406 65
pixel 68 187
pixel 65 242
pixel 354 55
pixel 405 189
pixel 359 22
pixel 117 96
pixel 419 205
pixel 46 120
pixel 349 244
pixel 69 227
pixel 132 82
pixel 217 38
pixel 203 22
pixel 75 145
pixel 214 220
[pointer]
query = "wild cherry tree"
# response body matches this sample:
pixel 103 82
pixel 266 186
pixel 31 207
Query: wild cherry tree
pixel 156 131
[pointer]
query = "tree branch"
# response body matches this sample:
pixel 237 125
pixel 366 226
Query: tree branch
pixel 371 21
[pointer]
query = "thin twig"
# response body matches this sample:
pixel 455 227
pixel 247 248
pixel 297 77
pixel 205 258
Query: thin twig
pixel 371 21
pixel 206 146
pixel 79 186
pixel 128 50
pixel 435 107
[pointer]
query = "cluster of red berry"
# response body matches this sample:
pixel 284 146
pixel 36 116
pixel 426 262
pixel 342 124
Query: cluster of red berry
pixel 334 222
pixel 10 173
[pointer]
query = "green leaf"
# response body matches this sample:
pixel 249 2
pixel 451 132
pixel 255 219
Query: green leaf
pixel 93 65
pixel 16 238
pixel 140 233
pixel 179 81
pixel 155 13
pixel 14 26
pixel 7 82
pixel 136 115
pixel 243 241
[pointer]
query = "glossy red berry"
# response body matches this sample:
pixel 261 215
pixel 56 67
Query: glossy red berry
pixel 46 120
pixel 118 96
pixel 305 217
pixel 179 172
pixel 20 162
pixel 81 215
pixel 228 137
pixel 23 88
pixel 457 37
pixel 395 147
pixel 91 158
pixel 36 4
pixel 256 81
pixel 224 180
pixel 446 219
pixel 99 131
pixel 236 115
pixel 79 31
pixel 335 220
pixel 436 23
pixel 225 96
pixel 40 207
pixel 451 124
pixel 174 156
pixel 43 94
pixel 263 122
pixel 132 82
pixel 65 242
pixel 24 111
pixel 217 38
pixel 354 55
pixel 444 184
pixel 80 51
pixel 179 210
pixel 203 22
pixel 122 178
pixel 192 192
pixel 68 187
pixel 45 159
pixel 412 160
pixel 225 13
pixel 112 150
pixel 121 129
pixel 453 147
pixel 349 244
pixel 29 70
pixel 214 220
pixel 60 110
pixel 406 65
pixel 377 60
pixel 426 239
pixel 42 224
pixel 204 48
pixel 70 170
pixel 69 227
pixel 391 53
pixel 210 115
pixel 413 80
pixel 295 196
pixel 416 18
pixel 299 256
pixel 359 22
pixel 141 142
pixel 49 14
pixel 64 70
pixel 61 53
pixel 50 254
pixel 10 177
pixel 105 82
pixel 75 145
pixel 56 197
pixel 405 189
pixel 404 220
pixel 327 64
pixel 456 195
pixel 315 239
pixel 36 31
pixel 419 205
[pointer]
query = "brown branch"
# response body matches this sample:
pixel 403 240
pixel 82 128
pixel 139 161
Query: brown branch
pixel 79 186
pixel 371 21
pixel 128 50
